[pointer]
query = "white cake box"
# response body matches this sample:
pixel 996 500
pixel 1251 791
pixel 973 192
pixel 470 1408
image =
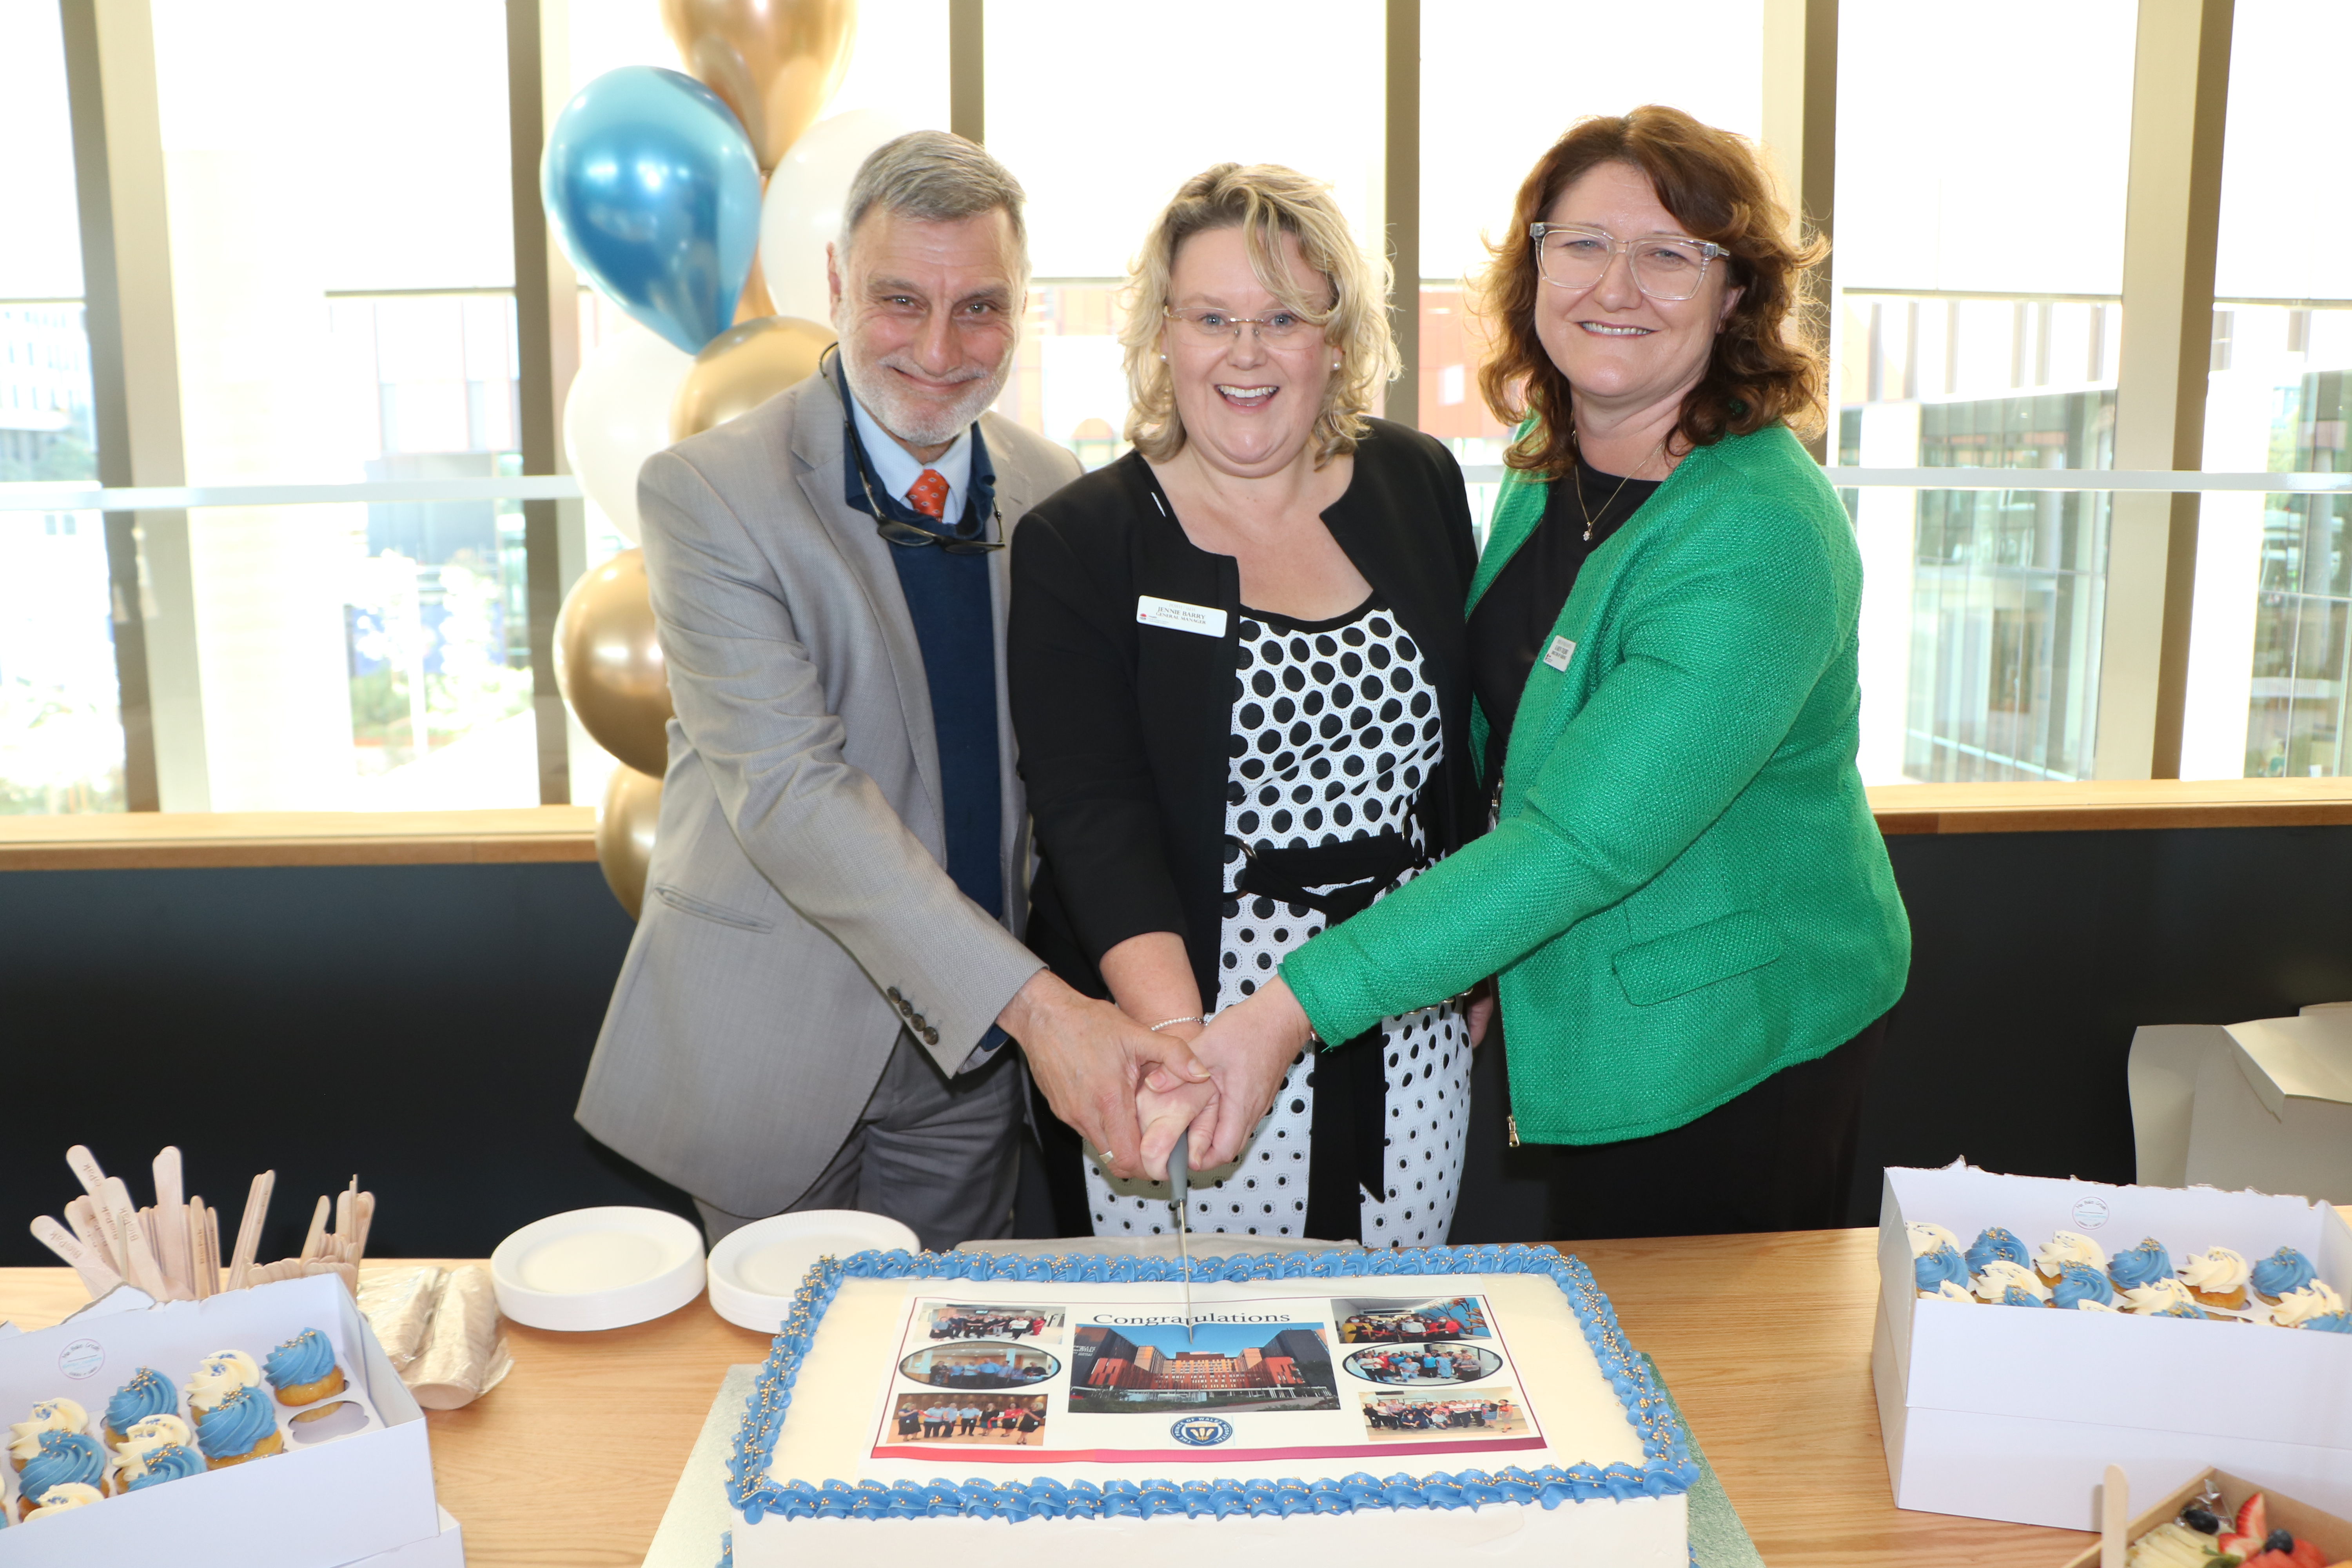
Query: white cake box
pixel 2013 1413
pixel 344 1499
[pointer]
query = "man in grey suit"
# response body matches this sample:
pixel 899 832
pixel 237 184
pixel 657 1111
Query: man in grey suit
pixel 828 963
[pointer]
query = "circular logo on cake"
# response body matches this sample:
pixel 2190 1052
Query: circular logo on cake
pixel 1423 1365
pixel 1202 1431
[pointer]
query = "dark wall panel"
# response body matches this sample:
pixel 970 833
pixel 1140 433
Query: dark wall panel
pixel 426 1027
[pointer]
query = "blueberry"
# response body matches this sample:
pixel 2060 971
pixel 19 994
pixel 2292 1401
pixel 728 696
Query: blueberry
pixel 2279 1541
pixel 2198 1520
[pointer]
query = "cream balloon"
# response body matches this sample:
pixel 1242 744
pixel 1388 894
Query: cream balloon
pixel 617 415
pixel 625 834
pixel 802 213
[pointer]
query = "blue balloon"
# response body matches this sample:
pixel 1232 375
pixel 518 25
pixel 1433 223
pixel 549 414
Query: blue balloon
pixel 654 195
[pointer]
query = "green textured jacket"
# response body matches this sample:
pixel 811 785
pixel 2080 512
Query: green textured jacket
pixel 1685 892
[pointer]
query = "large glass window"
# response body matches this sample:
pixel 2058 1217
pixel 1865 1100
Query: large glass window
pixel 1974 324
pixel 1102 111
pixel 1499 82
pixel 2268 674
pixel 60 722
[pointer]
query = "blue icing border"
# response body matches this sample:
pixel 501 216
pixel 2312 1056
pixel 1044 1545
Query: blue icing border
pixel 1667 1469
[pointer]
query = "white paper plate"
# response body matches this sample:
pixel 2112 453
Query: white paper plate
pixel 755 1270
pixel 598 1268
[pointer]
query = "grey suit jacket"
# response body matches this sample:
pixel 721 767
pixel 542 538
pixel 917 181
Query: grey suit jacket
pixel 798 914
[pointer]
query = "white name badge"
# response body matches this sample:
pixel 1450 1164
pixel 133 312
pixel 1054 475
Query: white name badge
pixel 1559 653
pixel 1179 616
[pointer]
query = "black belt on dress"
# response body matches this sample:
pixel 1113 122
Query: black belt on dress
pixel 1348 1148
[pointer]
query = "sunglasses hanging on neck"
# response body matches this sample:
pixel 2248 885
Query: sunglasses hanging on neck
pixel 906 535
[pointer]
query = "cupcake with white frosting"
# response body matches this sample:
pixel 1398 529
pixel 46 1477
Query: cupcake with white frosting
pixel 2216 1278
pixel 2001 1283
pixel 62 1498
pixel 2296 1308
pixel 2164 1296
pixel 218 1378
pixel 1935 1261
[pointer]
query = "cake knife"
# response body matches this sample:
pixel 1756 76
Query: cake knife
pixel 1180 1187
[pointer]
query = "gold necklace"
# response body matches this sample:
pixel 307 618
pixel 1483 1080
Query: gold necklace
pixel 1588 519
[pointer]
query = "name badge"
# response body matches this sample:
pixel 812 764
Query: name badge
pixel 1179 616
pixel 1559 653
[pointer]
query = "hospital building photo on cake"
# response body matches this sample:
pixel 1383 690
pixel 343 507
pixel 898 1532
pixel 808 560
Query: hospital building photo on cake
pixel 1130 1368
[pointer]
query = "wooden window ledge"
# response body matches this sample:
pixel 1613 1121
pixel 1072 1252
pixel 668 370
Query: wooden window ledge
pixel 168 839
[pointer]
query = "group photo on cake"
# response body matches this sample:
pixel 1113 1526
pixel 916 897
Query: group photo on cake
pixel 1153 1368
pixel 1389 1417
pixel 1000 1419
pixel 979 1365
pixel 959 1322
pixel 1424 1363
pixel 1383 1322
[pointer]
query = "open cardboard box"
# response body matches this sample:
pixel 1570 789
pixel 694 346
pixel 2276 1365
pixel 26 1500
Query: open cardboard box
pixel 322 1506
pixel 2332 1535
pixel 2011 1414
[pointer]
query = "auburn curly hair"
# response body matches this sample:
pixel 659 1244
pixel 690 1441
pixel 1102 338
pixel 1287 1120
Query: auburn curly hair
pixel 1767 362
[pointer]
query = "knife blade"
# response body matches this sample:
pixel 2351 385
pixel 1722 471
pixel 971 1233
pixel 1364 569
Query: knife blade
pixel 1180 1188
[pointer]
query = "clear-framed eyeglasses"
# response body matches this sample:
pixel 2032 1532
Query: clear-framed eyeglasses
pixel 1664 267
pixel 1276 329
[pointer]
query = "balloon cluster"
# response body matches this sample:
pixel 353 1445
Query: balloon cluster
pixel 701 204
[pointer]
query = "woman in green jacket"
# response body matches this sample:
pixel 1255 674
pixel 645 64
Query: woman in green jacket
pixel 1686 906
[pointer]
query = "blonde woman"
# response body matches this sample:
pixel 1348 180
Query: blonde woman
pixel 1241 688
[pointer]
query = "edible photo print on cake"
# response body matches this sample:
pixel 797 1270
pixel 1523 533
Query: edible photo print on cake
pixel 1496 1412
pixel 1439 1317
pixel 1156 1369
pixel 1019 1323
pixel 1255 1380
pixel 996 1420
pixel 977 1365
pixel 1434 1365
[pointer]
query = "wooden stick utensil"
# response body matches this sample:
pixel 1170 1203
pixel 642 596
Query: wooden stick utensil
pixel 144 1272
pixel 248 1230
pixel 96 1276
pixel 203 1268
pixel 172 1225
pixel 2115 1518
pixel 318 1235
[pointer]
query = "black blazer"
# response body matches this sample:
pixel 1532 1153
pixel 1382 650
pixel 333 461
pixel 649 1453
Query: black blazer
pixel 1125 729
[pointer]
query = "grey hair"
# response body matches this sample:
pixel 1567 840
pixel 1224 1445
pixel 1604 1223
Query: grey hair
pixel 939 177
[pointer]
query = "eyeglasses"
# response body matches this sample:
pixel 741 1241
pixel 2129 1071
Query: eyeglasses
pixel 1571 256
pixel 1213 325
pixel 906 535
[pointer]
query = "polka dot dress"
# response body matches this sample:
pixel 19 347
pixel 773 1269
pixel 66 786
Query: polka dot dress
pixel 1334 732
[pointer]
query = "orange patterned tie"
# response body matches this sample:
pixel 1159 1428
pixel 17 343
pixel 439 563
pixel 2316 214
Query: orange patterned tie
pixel 928 494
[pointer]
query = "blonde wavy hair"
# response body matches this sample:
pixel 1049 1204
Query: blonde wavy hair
pixel 1265 201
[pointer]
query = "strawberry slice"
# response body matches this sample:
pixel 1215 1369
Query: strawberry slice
pixel 2239 1546
pixel 2254 1517
pixel 2307 1555
pixel 2269 1560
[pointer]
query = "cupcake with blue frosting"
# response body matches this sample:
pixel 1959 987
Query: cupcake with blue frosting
pixel 66 1459
pixel 2138 1267
pixel 1994 1244
pixel 1935 1261
pixel 2063 1248
pixel 162 1462
pixel 2281 1274
pixel 2083 1287
pixel 303 1371
pixel 242 1426
pixel 49 1415
pixel 149 1393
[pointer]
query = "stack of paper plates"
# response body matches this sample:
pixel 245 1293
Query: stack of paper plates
pixel 598 1268
pixel 755 1270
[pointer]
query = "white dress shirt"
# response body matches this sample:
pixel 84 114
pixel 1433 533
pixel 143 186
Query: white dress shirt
pixel 896 470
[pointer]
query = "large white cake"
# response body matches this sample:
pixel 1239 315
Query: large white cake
pixel 1055 1411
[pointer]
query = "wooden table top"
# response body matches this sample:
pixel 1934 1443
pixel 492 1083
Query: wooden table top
pixel 1765 1341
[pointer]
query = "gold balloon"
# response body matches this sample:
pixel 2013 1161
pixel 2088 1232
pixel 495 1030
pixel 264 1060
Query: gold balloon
pixel 774 62
pixel 744 367
pixel 625 834
pixel 608 663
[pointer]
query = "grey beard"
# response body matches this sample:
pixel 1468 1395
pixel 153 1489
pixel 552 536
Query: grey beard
pixel 938 430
